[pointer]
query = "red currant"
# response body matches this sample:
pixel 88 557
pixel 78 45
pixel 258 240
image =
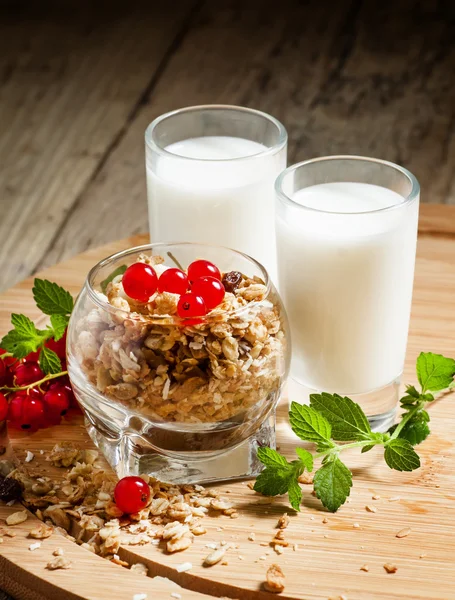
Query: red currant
pixel 25 412
pixel 191 305
pixel 210 289
pixel 56 403
pixel 131 494
pixel 4 372
pixel 9 360
pixel 32 357
pixel 58 347
pixel 27 373
pixel 174 281
pixel 202 268
pixel 140 282
pixel 3 407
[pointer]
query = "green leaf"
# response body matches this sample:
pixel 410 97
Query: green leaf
pixel 118 271
pixel 271 458
pixel 434 371
pixel 332 484
pixel 273 482
pixel 305 457
pixel 280 476
pixel 415 432
pixel 295 494
pixel 401 456
pixel 49 362
pixel 24 338
pixel 411 391
pixel 367 448
pixel 347 419
pixel 59 323
pixel 310 425
pixel 52 299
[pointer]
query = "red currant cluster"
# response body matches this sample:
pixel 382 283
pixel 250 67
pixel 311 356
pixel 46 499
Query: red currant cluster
pixel 200 289
pixel 31 403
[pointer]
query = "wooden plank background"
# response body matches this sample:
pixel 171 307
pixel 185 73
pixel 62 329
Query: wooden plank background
pixel 80 81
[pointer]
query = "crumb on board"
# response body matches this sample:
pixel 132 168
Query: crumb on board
pixel 390 568
pixel 274 579
pixel 403 532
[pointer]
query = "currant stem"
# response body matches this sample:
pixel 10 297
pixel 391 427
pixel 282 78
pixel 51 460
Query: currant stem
pixel 172 257
pixel 35 383
pixel 6 355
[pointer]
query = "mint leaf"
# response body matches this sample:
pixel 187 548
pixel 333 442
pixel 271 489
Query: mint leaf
pixel 271 458
pixel 280 476
pixel 434 371
pixel 305 457
pixel 416 429
pixel 310 425
pixel 118 271
pixel 52 299
pixel 401 456
pixel 347 419
pixel 275 482
pixel 49 362
pixel 332 483
pixel 24 338
pixel 411 391
pixel 59 323
pixel 295 494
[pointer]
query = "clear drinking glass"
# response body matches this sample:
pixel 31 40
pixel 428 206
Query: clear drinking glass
pixel 210 178
pixel 346 242
pixel 180 400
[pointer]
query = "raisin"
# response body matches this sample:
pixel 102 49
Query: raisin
pixel 10 489
pixel 231 280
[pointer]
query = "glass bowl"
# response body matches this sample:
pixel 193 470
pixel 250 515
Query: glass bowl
pixel 158 389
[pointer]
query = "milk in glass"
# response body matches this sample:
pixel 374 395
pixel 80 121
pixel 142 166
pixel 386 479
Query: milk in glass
pixel 346 267
pixel 219 190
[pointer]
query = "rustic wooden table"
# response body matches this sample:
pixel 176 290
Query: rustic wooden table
pixel 79 85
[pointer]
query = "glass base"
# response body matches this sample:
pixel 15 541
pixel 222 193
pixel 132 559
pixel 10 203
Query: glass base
pixel 127 455
pixel 380 405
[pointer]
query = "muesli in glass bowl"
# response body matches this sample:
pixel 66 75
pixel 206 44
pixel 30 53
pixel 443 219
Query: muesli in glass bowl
pixel 178 353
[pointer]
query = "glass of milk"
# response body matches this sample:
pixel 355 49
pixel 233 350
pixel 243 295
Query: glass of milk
pixel 346 243
pixel 210 178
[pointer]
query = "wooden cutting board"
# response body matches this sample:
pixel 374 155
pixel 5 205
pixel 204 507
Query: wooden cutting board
pixel 331 549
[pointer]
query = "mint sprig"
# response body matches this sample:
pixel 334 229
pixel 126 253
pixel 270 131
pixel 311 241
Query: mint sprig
pixel 25 337
pixel 331 418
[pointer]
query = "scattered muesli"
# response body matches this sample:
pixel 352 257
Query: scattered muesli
pixel 283 521
pixel 34 546
pixel 216 556
pixel 274 579
pixel 60 562
pixel 403 532
pixel 16 518
pixel 389 568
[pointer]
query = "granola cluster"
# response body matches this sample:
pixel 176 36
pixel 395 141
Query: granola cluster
pixel 146 357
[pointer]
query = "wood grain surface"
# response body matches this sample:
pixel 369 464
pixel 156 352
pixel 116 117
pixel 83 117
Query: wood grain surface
pixel 79 85
pixel 331 551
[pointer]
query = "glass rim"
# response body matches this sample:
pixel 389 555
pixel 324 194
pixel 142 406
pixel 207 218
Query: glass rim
pixel 413 194
pixel 169 319
pixel 152 143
